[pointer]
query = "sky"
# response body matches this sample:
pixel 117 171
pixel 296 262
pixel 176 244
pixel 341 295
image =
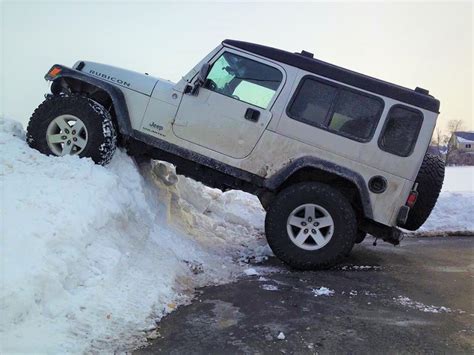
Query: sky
pixel 408 43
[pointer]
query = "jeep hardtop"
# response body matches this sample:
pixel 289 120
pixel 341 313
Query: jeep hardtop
pixel 332 154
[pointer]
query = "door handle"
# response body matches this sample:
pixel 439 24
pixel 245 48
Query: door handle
pixel 252 115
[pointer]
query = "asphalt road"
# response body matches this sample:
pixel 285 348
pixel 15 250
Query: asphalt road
pixel 415 298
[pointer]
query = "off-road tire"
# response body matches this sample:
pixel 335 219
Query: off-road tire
pixel 430 181
pixel 101 142
pixel 345 226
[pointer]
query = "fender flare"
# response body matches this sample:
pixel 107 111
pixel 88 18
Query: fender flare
pixel 117 96
pixel 276 180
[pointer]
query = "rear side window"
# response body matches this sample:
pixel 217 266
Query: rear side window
pixel 335 108
pixel 355 115
pixel 312 102
pixel 401 130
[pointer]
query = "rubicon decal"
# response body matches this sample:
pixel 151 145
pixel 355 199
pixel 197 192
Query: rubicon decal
pixel 110 78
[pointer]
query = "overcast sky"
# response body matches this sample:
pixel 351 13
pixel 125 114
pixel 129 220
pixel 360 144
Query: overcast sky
pixel 412 44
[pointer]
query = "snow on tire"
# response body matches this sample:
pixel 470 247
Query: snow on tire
pixel 310 226
pixel 430 181
pixel 73 125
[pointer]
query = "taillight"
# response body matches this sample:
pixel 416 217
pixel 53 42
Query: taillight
pixel 412 197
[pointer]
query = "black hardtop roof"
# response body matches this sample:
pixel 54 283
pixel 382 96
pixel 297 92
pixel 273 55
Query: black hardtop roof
pixel 349 77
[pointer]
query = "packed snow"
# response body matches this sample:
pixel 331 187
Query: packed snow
pixel 360 268
pixel 407 302
pixel 322 291
pixel 269 287
pixel 251 272
pixel 92 257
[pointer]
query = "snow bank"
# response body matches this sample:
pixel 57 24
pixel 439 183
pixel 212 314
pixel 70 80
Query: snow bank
pixel 92 257
pixel 454 210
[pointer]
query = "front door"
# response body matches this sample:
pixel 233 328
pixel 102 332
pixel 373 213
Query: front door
pixel 232 109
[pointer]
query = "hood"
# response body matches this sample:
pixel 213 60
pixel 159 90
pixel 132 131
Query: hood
pixel 128 79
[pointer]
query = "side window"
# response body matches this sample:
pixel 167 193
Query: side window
pixel 401 130
pixel 312 102
pixel 346 112
pixel 244 79
pixel 355 115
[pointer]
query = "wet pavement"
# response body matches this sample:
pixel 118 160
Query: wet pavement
pixel 415 298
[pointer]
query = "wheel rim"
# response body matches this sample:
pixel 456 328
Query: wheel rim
pixel 66 135
pixel 310 226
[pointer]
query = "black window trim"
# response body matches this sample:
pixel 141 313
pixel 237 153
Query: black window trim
pixel 382 132
pixel 332 107
pixel 253 59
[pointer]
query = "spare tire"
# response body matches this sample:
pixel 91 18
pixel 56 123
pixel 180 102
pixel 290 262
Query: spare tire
pixel 430 180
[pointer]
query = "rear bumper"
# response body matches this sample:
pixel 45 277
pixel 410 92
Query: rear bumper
pixel 388 234
pixel 402 216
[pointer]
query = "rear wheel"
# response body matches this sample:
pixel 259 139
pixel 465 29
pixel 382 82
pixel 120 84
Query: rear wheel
pixel 310 226
pixel 72 125
pixel 430 181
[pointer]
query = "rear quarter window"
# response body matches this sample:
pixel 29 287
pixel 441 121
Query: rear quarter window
pixel 401 130
pixel 336 108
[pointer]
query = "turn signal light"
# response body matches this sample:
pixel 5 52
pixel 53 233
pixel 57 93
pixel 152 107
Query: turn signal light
pixel 54 72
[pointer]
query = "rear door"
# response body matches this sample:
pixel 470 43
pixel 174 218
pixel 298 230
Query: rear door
pixel 233 108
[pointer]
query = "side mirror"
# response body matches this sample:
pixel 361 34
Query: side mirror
pixel 200 80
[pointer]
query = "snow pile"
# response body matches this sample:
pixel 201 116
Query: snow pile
pixel 322 291
pixel 360 268
pixel 91 256
pixel 251 272
pixel 407 302
pixel 269 287
pixel 454 210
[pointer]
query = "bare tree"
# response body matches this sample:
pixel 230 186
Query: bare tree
pixel 453 126
pixel 438 140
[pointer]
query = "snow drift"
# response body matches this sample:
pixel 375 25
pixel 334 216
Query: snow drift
pixel 454 211
pixel 93 256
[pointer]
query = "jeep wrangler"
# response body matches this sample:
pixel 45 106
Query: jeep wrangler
pixel 332 154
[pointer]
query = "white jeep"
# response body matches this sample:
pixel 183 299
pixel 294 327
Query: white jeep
pixel 332 154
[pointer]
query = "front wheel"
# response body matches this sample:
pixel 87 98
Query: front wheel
pixel 72 125
pixel 310 226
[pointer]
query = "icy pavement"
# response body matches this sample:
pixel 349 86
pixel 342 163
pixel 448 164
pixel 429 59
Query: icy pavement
pixel 93 257
pixel 419 300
